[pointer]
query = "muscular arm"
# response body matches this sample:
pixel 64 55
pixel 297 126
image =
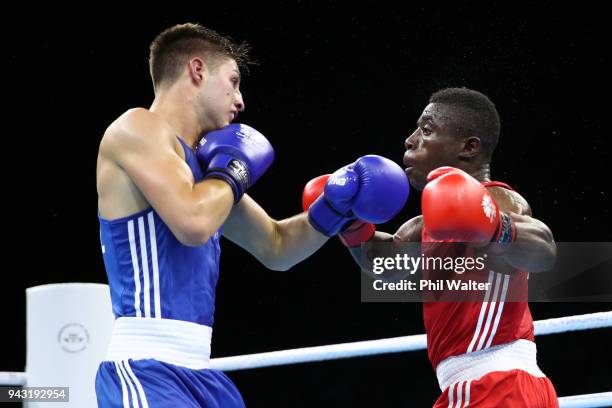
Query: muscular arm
pixel 142 146
pixel 410 231
pixel 277 244
pixel 534 249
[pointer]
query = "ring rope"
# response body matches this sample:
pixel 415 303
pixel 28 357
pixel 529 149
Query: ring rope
pixel 390 345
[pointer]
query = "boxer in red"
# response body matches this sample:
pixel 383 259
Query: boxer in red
pixel 483 351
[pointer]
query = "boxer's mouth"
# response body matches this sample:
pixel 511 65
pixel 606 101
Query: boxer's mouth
pixel 408 163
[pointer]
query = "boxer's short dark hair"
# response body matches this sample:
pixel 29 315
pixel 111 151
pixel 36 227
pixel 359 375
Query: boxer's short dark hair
pixel 472 114
pixel 173 47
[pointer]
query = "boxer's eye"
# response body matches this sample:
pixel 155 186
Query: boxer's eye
pixel 426 131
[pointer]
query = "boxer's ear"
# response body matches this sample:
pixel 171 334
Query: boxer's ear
pixel 471 148
pixel 197 69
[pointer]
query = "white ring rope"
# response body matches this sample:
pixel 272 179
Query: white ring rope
pixel 390 345
pixel 602 399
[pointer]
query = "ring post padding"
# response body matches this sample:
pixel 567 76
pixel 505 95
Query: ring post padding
pixel 68 330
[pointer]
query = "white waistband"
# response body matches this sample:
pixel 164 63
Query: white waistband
pixel 517 355
pixel 176 342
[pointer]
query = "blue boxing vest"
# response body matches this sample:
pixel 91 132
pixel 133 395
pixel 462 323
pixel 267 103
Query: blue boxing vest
pixel 151 274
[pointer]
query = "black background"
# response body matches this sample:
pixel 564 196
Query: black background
pixel 333 83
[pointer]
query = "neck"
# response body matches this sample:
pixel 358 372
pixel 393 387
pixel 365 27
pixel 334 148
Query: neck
pixel 177 107
pixel 481 172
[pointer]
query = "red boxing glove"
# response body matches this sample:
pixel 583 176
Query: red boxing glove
pixel 313 189
pixel 456 207
pixel 358 232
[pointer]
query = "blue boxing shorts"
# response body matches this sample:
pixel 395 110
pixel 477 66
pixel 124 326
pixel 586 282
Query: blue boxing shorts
pixel 152 383
pixel 155 363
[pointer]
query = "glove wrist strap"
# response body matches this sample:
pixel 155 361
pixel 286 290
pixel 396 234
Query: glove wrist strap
pixel 505 235
pixel 235 173
pixel 325 219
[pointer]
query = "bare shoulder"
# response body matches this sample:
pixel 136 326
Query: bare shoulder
pixel 410 231
pixel 135 130
pixel 135 149
pixel 510 201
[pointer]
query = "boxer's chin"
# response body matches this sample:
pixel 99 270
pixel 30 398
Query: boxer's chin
pixel 417 180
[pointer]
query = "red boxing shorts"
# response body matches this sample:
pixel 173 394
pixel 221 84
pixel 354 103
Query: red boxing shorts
pixel 500 389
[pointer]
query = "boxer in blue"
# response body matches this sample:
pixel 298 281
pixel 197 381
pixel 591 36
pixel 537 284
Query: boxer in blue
pixel 171 181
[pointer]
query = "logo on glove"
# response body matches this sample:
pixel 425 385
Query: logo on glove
pixel 489 208
pixel 241 172
pixel 337 181
pixel 248 135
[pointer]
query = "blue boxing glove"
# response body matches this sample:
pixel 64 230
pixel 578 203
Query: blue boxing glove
pixel 237 154
pixel 373 189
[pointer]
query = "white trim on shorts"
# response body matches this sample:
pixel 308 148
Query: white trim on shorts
pixel 517 355
pixel 176 342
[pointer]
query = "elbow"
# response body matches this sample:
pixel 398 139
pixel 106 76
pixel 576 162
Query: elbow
pixel 275 263
pixel 549 257
pixel 545 259
pixel 273 258
pixel 193 240
pixel 540 250
pixel 193 236
pixel 279 267
pixel 549 251
pixel 272 255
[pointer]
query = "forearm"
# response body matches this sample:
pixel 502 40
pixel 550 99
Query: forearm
pixel 294 240
pixel 534 249
pixel 204 208
pixel 390 245
pixel 362 257
pixel 213 202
